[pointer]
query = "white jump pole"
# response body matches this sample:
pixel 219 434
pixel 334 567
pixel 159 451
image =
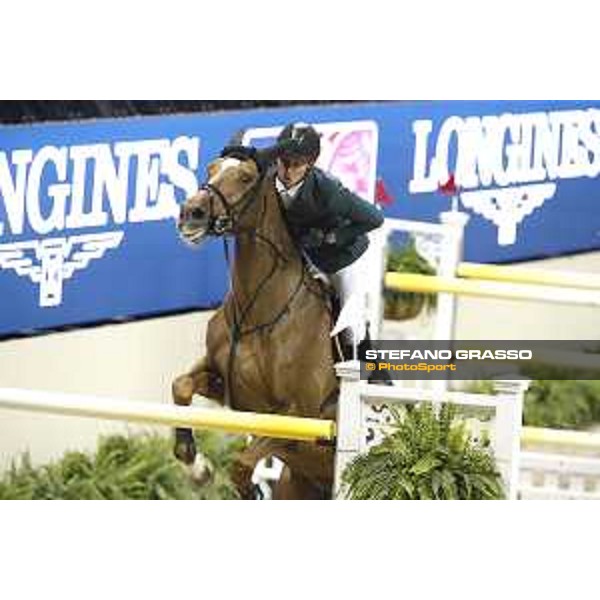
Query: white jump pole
pixel 454 223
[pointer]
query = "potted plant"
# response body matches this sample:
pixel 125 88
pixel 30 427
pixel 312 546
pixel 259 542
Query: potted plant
pixel 400 305
pixel 429 455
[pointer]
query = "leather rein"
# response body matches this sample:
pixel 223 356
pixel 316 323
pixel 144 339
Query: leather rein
pixel 228 224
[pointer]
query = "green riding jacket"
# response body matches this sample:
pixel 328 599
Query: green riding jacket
pixel 325 205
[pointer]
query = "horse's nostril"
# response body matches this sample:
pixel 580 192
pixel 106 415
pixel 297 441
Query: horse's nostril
pixel 197 213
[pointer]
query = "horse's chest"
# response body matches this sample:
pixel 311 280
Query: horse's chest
pixel 244 366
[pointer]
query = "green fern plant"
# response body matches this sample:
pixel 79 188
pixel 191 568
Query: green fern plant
pixel 140 467
pixel 554 403
pixel 407 305
pixel 562 404
pixel 428 455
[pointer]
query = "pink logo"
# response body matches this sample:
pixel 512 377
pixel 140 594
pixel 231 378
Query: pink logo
pixel 350 156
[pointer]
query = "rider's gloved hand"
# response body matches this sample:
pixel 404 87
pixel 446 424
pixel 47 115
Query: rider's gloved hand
pixel 317 237
pixel 313 239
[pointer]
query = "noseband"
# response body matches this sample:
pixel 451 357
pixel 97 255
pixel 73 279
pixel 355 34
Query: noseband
pixel 225 224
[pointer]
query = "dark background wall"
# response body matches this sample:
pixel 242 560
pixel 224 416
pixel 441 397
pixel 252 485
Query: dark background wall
pixel 29 111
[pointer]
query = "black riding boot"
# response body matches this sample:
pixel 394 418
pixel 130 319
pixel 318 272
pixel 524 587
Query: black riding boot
pixel 378 377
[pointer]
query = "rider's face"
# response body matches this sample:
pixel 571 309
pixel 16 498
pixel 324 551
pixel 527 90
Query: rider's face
pixel 292 170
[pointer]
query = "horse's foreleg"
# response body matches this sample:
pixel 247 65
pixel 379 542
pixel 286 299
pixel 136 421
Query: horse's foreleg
pixel 200 379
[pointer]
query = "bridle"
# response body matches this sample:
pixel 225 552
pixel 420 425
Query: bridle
pixel 227 224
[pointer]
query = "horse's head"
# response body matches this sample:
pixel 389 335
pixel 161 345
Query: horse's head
pixel 218 205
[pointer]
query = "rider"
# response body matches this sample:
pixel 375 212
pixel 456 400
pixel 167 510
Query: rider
pixel 328 221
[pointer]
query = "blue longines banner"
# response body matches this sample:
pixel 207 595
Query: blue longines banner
pixel 88 209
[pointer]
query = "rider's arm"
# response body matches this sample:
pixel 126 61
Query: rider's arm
pixel 356 216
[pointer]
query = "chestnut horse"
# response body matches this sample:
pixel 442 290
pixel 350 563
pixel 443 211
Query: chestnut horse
pixel 268 347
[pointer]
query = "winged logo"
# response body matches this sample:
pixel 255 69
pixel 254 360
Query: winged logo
pixel 51 261
pixel 506 208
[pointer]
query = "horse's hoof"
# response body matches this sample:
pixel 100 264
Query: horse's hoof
pixel 186 453
pixel 185 446
pixel 182 390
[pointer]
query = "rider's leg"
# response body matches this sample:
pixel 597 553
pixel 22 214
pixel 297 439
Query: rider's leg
pixel 349 282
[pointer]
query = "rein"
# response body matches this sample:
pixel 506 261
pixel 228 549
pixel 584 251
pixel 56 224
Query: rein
pixel 223 225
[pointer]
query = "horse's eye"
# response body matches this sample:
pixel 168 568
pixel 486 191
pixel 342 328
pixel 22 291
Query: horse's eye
pixel 245 178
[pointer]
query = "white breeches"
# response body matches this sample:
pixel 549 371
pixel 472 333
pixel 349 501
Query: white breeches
pixel 349 284
pixel 347 281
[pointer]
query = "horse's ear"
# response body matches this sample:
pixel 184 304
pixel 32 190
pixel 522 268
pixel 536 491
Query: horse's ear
pixel 236 139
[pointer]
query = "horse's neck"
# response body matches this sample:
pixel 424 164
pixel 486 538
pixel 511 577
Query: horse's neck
pixel 258 258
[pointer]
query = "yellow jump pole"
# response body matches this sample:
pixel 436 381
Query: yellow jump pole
pixel 580 440
pixel 411 282
pixel 529 275
pixel 264 425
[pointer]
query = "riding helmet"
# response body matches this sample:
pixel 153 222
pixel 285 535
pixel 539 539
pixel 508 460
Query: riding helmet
pixel 299 139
